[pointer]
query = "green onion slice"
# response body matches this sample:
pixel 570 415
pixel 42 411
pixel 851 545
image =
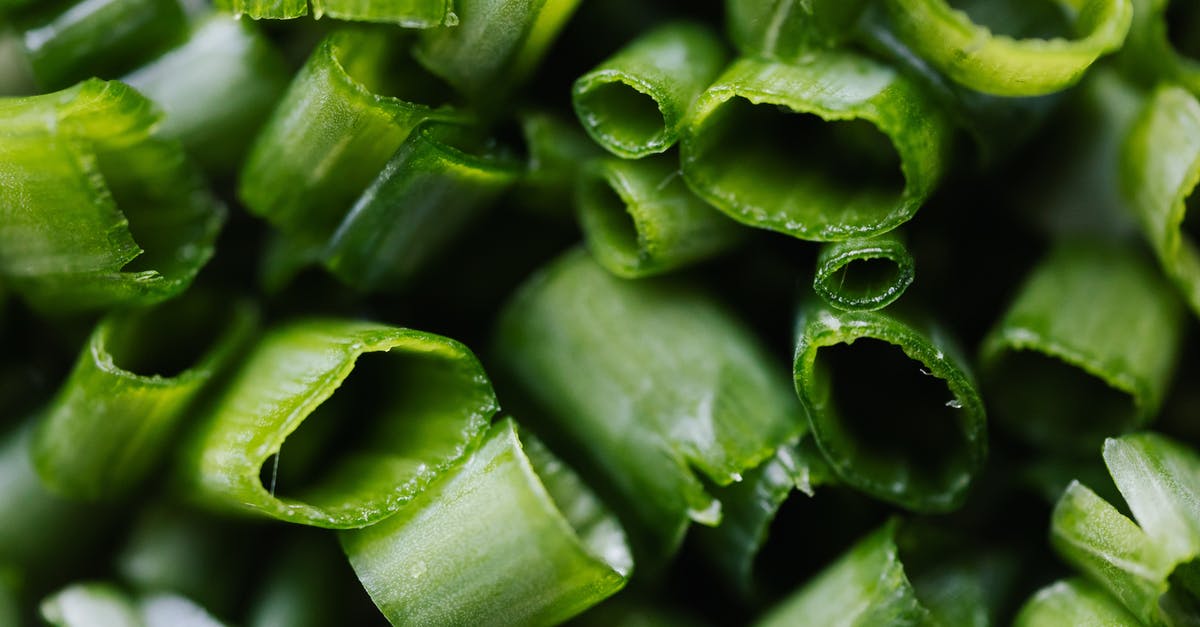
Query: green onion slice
pixel 640 219
pixel 992 63
pixel 509 537
pixel 1160 170
pixel 831 147
pixel 1160 45
pixel 1087 348
pixel 406 13
pixel 1150 565
pixel 786 29
pixel 441 178
pixel 423 399
pixel 648 383
pixel 131 388
pixel 95 210
pixel 635 103
pixel 864 274
pixel 557 152
pixel 857 373
pixel 102 604
pixel 1074 601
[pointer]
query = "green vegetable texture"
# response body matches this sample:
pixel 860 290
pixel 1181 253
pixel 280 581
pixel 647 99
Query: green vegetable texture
pixel 599 312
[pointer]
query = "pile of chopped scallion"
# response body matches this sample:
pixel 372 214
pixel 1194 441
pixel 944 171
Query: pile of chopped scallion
pixel 601 312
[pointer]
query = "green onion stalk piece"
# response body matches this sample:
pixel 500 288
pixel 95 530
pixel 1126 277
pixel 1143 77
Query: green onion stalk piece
pixel 329 137
pixel 1161 47
pixel 557 152
pixel 866 586
pixel 892 404
pixel 1149 566
pixel 997 64
pixel 96 210
pixel 423 401
pixel 131 388
pixel 494 45
pixel 217 89
pixel 832 147
pixel 102 604
pixel 440 179
pixel 640 219
pixel 648 384
pixel 635 103
pixel 406 13
pixel 786 29
pixel 1087 348
pixel 1160 168
pixel 104 38
pixel 510 537
pixel 864 274
pixel 1074 601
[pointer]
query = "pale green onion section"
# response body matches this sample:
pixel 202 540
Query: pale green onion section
pixel 1160 169
pixel 96 211
pixel 102 604
pixel 831 147
pixel 270 9
pixel 216 89
pixel 131 389
pixel 1087 349
pixel 1073 601
pixel 635 103
pixel 329 137
pixel 406 13
pixel 640 219
pixel 441 178
pixel 494 45
pixel 509 537
pixel 925 440
pixel 647 384
pixel 866 586
pixel 997 64
pixel 1150 565
pixel 785 29
pixel 864 274
pixel 424 406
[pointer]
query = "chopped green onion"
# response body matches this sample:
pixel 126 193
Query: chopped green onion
pixel 95 210
pixel 102 38
pixel 635 103
pixel 270 9
pixel 100 604
pixel 1087 349
pixel 864 274
pixel 441 178
pixel 648 383
pixel 557 151
pixel 132 385
pixel 640 219
pixel 1160 45
pixel 1073 601
pixel 406 13
pixel 832 147
pixel 786 29
pixel 509 537
pixel 922 444
pixel 999 64
pixel 428 403
pixel 1160 169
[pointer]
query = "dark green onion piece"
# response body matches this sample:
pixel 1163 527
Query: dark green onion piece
pixel 866 586
pixel 104 38
pixel 131 387
pixel 1074 601
pixel 651 383
pixel 785 29
pixel 557 152
pixel 441 178
pixel 1086 350
pixel 95 210
pixel 329 137
pixel 635 103
pixel 998 64
pixel 510 537
pixel 424 402
pixel 922 444
pixel 101 604
pixel 494 45
pixel 1161 45
pixel 217 89
pixel 640 219
pixel 406 13
pixel 1149 566
pixel 864 274
pixel 1160 169
pixel 832 147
